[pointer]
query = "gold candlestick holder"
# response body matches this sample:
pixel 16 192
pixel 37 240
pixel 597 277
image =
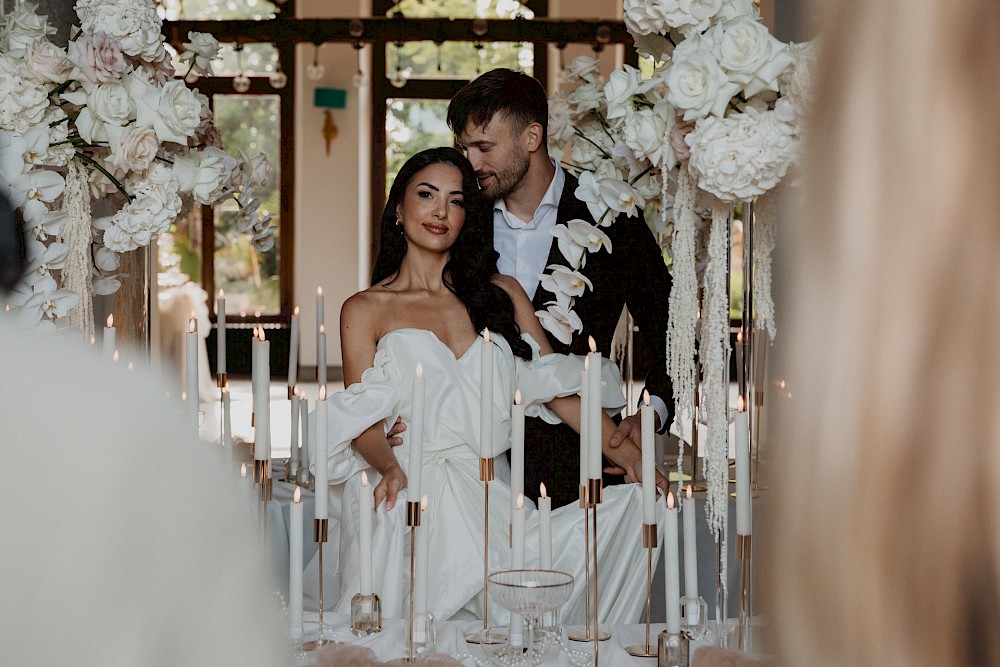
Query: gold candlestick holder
pixel 413 521
pixel 743 552
pixel 221 380
pixel 649 541
pixel 321 531
pixel 484 637
pixel 587 633
pixel 291 391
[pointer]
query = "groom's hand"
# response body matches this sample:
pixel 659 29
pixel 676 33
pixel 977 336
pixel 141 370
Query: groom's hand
pixel 392 435
pixel 393 480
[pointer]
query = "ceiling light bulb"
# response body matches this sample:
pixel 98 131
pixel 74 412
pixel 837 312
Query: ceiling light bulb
pixel 241 83
pixel 278 79
pixel 315 71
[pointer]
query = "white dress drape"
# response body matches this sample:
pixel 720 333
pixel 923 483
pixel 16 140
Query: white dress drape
pixel 455 492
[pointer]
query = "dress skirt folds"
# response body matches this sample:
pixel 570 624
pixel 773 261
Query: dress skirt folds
pixel 451 452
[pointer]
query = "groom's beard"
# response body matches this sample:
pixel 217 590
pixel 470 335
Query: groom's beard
pixel 507 179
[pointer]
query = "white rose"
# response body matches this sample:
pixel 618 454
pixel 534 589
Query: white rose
pixel 204 175
pixel 696 82
pixel 135 24
pixel 178 112
pixel 107 104
pixel 750 55
pixel 622 85
pixel 692 16
pixel 21 27
pixel 587 97
pixel 560 128
pixel 732 9
pixel 47 61
pixel 644 133
pixel 201 49
pixel 582 67
pixel 560 322
pixel 133 148
pixel 646 17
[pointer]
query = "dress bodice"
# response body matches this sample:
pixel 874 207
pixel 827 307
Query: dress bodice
pixel 452 388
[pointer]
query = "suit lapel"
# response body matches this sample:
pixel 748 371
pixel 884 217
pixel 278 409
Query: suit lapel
pixel 570 208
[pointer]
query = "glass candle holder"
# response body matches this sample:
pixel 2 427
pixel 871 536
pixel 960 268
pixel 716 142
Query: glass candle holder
pixel 366 615
pixel 424 634
pixel 694 623
pixel 672 650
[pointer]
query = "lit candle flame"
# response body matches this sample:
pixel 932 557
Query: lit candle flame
pixel 586 363
pixel 93 340
pixel 420 370
pixel 322 328
pixel 243 471
pixel 520 501
pixel 739 336
pixel 322 393
pixel 297 496
pixel 541 487
pixel 740 404
pixel 296 311
pixel 130 366
pixel 262 334
pixel 423 503
pixel 114 357
pixel 184 396
pixel 517 397
pixel 781 384
pixel 295 390
pixel 222 295
pixel 191 325
pixel 111 320
pixel 645 397
pixel 593 345
pixel 670 500
pixel 364 478
pixel 486 335
pixel 319 291
pixel 690 492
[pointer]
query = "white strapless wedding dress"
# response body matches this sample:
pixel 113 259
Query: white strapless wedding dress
pixel 455 492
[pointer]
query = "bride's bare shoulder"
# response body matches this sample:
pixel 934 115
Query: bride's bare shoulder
pixel 366 308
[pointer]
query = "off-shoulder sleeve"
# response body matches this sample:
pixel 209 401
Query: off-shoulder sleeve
pixel 350 412
pixel 553 375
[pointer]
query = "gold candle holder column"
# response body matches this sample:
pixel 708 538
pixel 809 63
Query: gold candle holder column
pixel 321 530
pixel 743 552
pixel 649 541
pixel 486 476
pixel 584 636
pixel 590 495
pixel 413 521
pixel 220 380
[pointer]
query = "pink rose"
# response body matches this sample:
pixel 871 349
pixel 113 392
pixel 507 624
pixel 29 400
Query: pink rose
pixel 161 70
pixel 98 58
pixel 678 132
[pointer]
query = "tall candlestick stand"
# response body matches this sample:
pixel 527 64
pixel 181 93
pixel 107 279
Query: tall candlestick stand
pixel 486 476
pixel 575 635
pixel 596 494
pixel 743 554
pixel 321 528
pixel 648 541
pixel 220 380
pixel 412 520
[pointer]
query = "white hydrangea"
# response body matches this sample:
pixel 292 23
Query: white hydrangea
pixel 154 206
pixel 134 23
pixel 23 100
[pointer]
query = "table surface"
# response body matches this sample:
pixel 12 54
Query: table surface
pixel 390 643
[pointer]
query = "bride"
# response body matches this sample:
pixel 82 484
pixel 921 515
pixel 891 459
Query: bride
pixel 435 286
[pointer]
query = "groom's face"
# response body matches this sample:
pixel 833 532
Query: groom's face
pixel 498 153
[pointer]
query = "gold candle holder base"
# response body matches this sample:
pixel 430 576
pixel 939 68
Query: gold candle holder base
pixel 649 542
pixel 578 634
pixel 486 476
pixel 321 530
pixel 641 651
pixel 220 380
pixel 253 419
pixel 266 490
pixel 583 497
pixel 491 636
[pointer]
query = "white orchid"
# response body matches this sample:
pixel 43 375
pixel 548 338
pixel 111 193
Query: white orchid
pixel 51 304
pixel 607 196
pixel 560 322
pixel 565 283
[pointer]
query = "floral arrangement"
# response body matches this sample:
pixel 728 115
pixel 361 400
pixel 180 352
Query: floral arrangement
pixel 717 124
pixel 106 118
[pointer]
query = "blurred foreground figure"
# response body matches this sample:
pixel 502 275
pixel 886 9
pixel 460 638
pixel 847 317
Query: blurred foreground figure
pixel 125 540
pixel 885 540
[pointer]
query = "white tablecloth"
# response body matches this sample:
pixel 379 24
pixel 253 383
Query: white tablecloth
pixel 390 644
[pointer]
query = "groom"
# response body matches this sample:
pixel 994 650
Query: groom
pixel 500 119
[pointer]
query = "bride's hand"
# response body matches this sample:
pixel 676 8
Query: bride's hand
pixel 393 480
pixel 627 459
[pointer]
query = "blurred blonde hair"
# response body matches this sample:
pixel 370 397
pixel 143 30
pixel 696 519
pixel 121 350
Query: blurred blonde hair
pixel 883 547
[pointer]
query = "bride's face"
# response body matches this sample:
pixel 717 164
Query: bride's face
pixel 432 210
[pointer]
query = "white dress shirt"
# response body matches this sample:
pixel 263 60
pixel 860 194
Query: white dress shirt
pixel 524 245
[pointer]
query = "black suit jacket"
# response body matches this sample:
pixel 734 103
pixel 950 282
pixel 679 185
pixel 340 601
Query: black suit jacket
pixel 634 274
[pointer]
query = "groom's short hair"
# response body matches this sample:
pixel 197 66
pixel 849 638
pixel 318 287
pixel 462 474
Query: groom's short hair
pixel 517 97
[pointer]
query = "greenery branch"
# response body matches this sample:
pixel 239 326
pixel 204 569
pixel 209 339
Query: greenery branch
pixel 97 165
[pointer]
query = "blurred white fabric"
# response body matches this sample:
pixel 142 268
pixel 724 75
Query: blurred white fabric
pixel 176 305
pixel 126 540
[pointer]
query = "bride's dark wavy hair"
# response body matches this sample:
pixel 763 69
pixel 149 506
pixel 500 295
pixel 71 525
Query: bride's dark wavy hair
pixel 473 262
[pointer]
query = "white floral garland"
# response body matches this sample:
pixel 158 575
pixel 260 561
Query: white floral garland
pixel 78 235
pixel 714 352
pixel 764 231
